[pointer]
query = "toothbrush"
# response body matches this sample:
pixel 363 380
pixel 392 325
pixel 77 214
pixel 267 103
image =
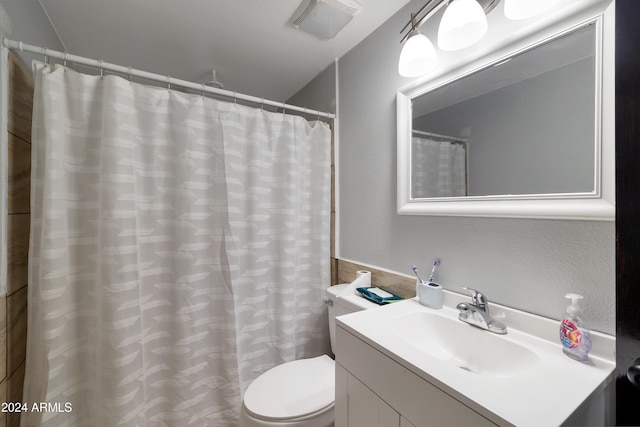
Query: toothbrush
pixel 415 270
pixel 433 270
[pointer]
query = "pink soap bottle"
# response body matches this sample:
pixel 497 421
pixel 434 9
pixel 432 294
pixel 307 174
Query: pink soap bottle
pixel 574 336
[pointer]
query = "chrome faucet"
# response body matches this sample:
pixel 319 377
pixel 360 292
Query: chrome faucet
pixel 477 313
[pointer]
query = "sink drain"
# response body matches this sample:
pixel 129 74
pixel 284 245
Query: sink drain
pixel 462 364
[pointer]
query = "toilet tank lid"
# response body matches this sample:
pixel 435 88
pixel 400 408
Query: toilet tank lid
pixel 346 295
pixel 292 390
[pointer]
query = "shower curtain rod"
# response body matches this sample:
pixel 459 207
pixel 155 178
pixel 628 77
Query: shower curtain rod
pixel 12 44
pixel 448 138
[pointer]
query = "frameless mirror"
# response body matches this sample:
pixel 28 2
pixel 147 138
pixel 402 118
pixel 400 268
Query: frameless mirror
pixel 519 137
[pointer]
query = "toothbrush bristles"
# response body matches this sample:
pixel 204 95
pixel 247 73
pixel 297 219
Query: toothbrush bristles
pixel 415 270
pixel 433 270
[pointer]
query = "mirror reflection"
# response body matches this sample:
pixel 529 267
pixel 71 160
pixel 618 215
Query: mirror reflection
pixel 524 126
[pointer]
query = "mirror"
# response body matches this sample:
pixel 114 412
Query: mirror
pixel 518 137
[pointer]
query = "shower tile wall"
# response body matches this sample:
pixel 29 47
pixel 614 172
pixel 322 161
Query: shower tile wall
pixel 13 308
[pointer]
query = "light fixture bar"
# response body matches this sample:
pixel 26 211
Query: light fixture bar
pixel 416 14
pixel 415 23
pixel 487 6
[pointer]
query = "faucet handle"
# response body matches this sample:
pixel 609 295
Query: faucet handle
pixel 473 292
pixel 477 298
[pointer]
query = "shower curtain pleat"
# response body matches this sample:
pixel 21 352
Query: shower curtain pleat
pixel 280 237
pixel 179 248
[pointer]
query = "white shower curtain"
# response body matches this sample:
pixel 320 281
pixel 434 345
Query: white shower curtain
pixel 179 247
pixel 438 168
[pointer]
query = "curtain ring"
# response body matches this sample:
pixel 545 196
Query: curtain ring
pixel 203 85
pixel 284 109
pixel 129 73
pixel 262 104
pixel 20 46
pixel 64 58
pixel 168 82
pixel 235 98
pixel 101 69
pixel 46 58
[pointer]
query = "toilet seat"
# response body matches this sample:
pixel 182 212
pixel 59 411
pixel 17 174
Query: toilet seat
pixel 292 391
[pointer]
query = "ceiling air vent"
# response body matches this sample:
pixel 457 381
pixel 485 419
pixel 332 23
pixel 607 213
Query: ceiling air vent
pixel 325 18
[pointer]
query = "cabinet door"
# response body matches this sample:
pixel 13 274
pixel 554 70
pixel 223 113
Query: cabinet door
pixel 366 409
pixel 342 397
pixel 405 423
pixel 387 416
pixel 358 406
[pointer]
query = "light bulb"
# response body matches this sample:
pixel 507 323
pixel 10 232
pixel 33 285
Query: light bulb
pixel 463 23
pixel 418 56
pixel 523 9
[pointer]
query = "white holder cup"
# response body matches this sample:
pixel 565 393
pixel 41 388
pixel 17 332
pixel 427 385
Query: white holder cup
pixel 430 294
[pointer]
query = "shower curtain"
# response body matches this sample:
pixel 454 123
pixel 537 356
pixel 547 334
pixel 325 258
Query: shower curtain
pixel 179 248
pixel 438 168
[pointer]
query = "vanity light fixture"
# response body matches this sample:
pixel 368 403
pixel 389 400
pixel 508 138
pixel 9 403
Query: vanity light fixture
pixel 523 9
pixel 463 23
pixel 418 54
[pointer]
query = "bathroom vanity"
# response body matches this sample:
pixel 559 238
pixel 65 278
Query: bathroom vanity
pixel 408 365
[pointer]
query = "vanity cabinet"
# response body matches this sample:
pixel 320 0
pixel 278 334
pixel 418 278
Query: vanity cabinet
pixel 374 390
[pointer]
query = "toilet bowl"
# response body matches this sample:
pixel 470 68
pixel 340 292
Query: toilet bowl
pixel 300 393
pixel 294 394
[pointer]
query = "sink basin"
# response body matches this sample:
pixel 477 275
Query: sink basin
pixel 462 345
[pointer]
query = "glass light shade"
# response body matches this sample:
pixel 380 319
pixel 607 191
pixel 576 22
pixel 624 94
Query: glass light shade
pixel 418 56
pixel 523 9
pixel 463 23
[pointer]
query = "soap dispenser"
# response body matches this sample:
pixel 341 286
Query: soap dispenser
pixel 574 336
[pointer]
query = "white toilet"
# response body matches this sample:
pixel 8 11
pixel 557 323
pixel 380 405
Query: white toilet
pixel 300 393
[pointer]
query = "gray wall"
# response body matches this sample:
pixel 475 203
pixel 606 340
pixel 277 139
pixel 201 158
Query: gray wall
pixel 527 264
pixel 319 94
pixel 29 24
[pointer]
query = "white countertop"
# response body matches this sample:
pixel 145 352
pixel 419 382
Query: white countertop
pixel 546 394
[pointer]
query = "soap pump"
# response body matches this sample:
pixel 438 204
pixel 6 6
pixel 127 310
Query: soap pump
pixel 574 336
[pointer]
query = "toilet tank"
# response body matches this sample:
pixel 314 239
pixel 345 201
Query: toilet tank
pixel 340 300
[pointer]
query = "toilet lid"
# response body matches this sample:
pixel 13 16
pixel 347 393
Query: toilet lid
pixel 292 390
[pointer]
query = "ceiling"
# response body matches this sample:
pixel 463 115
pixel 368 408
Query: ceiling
pixel 251 43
